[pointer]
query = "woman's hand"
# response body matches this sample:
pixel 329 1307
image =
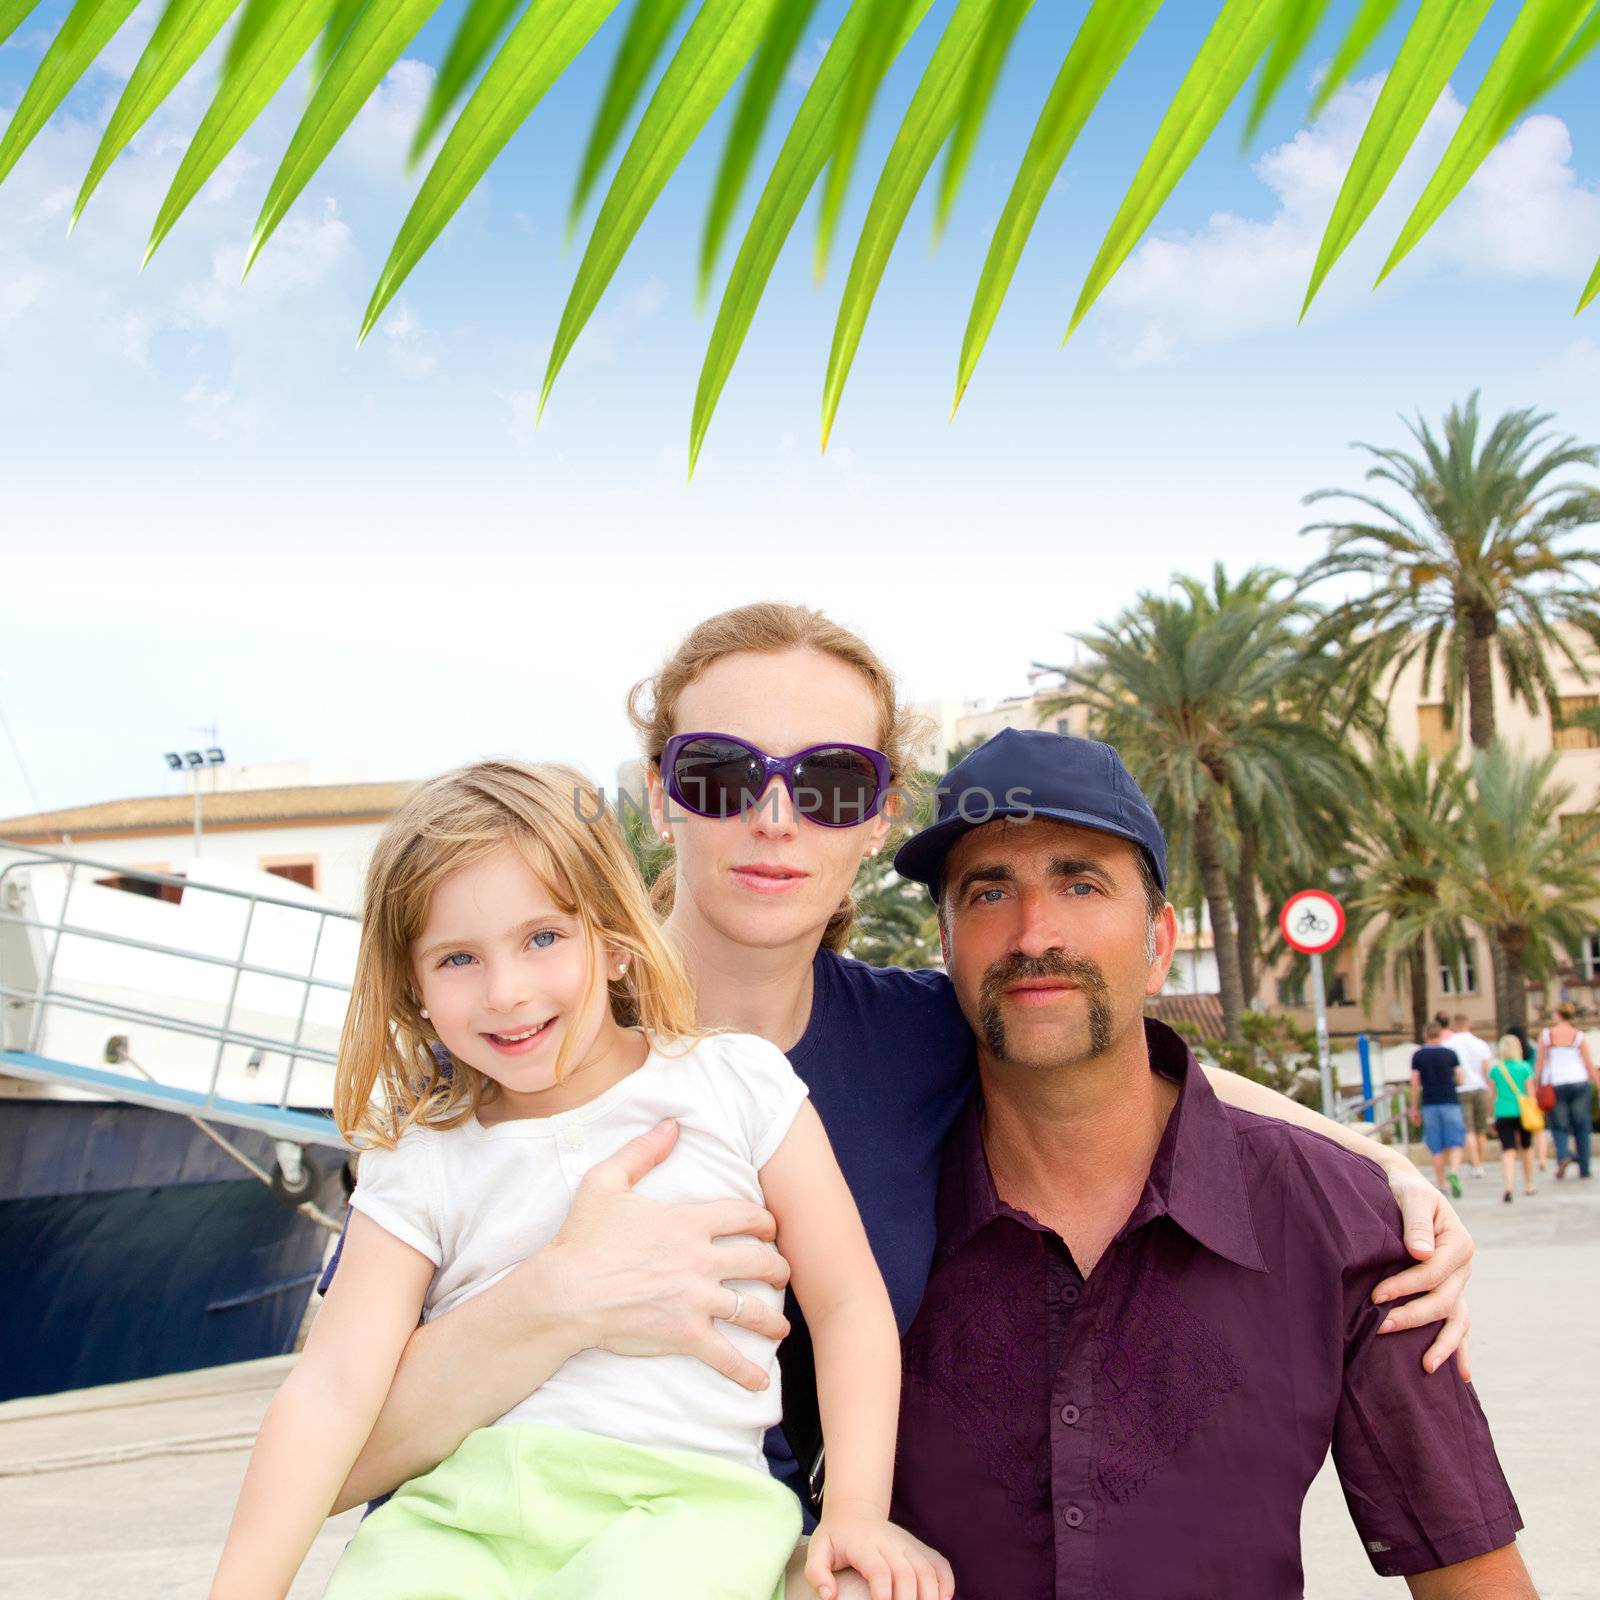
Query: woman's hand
pixel 645 1279
pixel 1436 1236
pixel 893 1565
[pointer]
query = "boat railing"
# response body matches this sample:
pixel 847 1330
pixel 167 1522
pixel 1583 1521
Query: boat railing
pixel 33 991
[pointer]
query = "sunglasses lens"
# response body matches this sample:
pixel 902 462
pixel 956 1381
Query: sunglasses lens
pixel 716 777
pixel 836 787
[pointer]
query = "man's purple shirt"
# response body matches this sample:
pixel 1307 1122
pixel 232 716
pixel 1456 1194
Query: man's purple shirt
pixel 1149 1433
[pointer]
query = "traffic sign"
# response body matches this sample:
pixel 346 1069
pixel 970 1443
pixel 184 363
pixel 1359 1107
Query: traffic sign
pixel 1312 921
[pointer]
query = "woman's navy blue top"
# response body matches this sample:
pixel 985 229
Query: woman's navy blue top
pixel 889 1061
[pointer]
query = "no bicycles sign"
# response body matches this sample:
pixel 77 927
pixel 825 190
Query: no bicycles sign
pixel 1312 921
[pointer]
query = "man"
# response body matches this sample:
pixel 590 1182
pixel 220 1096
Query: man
pixel 1436 1077
pixel 1148 1316
pixel 1476 1097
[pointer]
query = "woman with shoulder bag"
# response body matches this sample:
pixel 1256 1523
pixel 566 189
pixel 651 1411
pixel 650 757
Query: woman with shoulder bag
pixel 1565 1072
pixel 1517 1117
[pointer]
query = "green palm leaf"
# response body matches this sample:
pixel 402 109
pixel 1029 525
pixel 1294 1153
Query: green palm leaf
pixel 649 28
pixel 798 166
pixel 1005 17
pixel 1229 55
pixel 481 24
pixel 1370 21
pixel 1300 23
pixel 1543 29
pixel 278 33
pixel 86 32
pixel 1109 32
pixel 360 64
pixel 181 37
pixel 1591 288
pixel 749 123
pixel 13 13
pixel 872 58
pixel 720 41
pixel 1438 39
pixel 928 123
pixel 544 43
pixel 340 25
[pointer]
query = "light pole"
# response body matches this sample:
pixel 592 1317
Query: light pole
pixel 192 761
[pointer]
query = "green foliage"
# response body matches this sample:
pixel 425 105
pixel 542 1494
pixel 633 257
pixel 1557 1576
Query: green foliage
pixel 1475 570
pixel 522 48
pixel 1272 1049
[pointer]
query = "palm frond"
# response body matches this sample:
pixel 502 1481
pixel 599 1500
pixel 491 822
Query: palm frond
pixel 522 48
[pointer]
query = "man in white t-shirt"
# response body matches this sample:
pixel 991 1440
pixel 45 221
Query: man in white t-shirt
pixel 1477 1098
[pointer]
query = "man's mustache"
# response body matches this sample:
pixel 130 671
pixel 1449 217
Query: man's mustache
pixel 1086 974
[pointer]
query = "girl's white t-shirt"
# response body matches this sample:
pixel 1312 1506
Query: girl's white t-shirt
pixel 477 1200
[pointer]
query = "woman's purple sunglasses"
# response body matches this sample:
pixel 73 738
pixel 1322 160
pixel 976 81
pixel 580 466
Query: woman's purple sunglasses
pixel 717 775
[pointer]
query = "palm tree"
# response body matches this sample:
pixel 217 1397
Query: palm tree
pixel 1194 692
pixel 1406 836
pixel 1529 883
pixel 1475 571
pixel 896 922
pixel 504 57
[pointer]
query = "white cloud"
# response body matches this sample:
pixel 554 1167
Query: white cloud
pixel 219 413
pixel 1525 215
pixel 411 349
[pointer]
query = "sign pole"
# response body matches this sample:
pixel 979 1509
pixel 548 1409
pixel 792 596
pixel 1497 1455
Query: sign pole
pixel 1324 1062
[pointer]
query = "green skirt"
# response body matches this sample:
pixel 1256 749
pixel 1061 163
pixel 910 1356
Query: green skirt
pixel 529 1512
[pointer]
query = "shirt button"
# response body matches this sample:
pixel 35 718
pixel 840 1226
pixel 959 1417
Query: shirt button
pixel 1073 1517
pixel 1070 1415
pixel 1069 1294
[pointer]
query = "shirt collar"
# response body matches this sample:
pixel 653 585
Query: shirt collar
pixel 1196 1178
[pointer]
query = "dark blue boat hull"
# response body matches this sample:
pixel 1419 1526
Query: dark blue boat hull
pixel 131 1246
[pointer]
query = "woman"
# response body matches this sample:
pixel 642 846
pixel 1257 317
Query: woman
pixel 1565 1065
pixel 1509 1076
pixel 760 909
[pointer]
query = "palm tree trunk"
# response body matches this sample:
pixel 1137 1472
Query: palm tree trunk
pixel 1514 1008
pixel 1417 981
pixel 1219 903
pixel 1502 982
pixel 1246 908
pixel 1480 627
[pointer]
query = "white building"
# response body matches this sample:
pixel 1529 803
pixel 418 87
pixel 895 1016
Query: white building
pixel 276 818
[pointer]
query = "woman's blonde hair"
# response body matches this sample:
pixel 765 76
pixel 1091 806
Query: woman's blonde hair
pixel 559 824
pixel 1509 1048
pixel 768 628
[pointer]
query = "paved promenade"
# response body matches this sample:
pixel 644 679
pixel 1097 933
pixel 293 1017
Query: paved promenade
pixel 127 1491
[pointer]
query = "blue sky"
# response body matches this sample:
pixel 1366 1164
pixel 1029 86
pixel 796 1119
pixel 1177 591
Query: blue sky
pixel 215 506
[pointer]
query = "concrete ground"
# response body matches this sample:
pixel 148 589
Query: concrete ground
pixel 128 1490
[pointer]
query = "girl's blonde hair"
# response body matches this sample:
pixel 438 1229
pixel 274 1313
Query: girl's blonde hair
pixel 559 824
pixel 1509 1048
pixel 768 628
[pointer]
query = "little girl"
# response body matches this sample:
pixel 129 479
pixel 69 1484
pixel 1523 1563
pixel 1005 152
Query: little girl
pixel 507 927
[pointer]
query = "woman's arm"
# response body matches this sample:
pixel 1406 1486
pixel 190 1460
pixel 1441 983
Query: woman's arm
pixel 624 1273
pixel 1433 1232
pixel 857 1349
pixel 325 1408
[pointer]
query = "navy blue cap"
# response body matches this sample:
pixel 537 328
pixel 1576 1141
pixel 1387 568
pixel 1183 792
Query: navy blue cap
pixel 1025 773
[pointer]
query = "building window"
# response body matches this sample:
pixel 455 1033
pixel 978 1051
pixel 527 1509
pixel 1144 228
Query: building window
pixel 302 872
pixel 1292 990
pixel 1433 734
pixel 172 893
pixel 1063 725
pixel 1590 958
pixel 1562 712
pixel 1459 979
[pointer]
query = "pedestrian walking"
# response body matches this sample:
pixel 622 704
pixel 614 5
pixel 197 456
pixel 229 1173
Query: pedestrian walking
pixel 1565 1066
pixel 1517 1117
pixel 1435 1103
pixel 1477 1098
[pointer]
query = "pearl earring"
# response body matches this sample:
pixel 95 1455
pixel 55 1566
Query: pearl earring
pixel 424 1013
pixel 665 835
pixel 622 967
